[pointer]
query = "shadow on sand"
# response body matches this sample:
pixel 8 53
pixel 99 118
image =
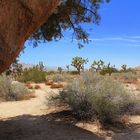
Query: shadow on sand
pixel 27 127
pixel 56 126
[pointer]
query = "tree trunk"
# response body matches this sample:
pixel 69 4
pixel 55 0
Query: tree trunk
pixel 18 20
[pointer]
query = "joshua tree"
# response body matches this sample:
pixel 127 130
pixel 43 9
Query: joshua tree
pixel 41 20
pixel 78 63
pixel 68 68
pixel 124 67
pixel 60 70
pixel 97 65
pixel 40 66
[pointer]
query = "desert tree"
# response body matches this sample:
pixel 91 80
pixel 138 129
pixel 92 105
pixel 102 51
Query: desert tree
pixel 97 65
pixel 40 66
pixel 23 19
pixel 78 63
pixel 124 68
pixel 60 69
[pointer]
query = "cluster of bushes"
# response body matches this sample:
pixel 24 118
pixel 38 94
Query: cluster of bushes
pixel 95 97
pixel 13 91
pixel 32 74
pixel 126 77
pixel 56 77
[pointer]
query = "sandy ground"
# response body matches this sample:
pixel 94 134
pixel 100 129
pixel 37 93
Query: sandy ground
pixel 30 120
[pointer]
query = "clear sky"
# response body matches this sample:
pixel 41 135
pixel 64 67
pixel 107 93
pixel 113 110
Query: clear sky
pixel 115 40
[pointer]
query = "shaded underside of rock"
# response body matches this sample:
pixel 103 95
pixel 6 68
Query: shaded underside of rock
pixel 18 20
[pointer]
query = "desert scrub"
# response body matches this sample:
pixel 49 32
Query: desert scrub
pixel 94 97
pixel 32 74
pixel 64 77
pixel 13 91
pixel 56 77
pixel 128 77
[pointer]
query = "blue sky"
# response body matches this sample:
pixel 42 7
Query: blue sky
pixel 115 40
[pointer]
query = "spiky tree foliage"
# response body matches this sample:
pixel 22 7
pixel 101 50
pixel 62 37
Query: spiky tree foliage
pixel 97 65
pixel 78 63
pixel 70 15
pixel 21 18
pixel 124 67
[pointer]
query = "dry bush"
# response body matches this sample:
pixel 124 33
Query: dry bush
pixel 13 91
pixel 127 77
pixel 64 77
pixel 94 97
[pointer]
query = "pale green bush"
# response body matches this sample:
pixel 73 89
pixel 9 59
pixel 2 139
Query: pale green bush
pixel 60 77
pixel 12 91
pixel 19 91
pixel 5 87
pixel 94 97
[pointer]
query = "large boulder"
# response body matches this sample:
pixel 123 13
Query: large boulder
pixel 18 20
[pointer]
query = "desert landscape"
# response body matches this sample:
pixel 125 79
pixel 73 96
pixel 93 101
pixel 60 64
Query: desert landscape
pixel 69 70
pixel 34 118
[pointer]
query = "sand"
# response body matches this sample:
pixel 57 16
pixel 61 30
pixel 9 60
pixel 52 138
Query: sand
pixel 30 120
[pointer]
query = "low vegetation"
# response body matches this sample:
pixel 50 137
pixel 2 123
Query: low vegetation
pixel 93 96
pixel 32 74
pixel 126 77
pixel 13 91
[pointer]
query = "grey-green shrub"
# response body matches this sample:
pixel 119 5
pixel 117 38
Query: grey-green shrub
pixel 5 87
pixel 130 76
pixel 60 77
pixel 12 91
pixel 19 91
pixel 94 97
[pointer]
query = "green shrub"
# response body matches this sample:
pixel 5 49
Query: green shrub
pixel 32 74
pixel 74 72
pixel 94 97
pixel 10 91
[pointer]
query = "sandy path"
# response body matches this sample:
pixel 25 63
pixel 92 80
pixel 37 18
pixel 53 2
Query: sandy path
pixel 30 120
pixel 34 106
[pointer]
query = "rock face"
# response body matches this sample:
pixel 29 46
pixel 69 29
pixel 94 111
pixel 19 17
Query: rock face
pixel 18 20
